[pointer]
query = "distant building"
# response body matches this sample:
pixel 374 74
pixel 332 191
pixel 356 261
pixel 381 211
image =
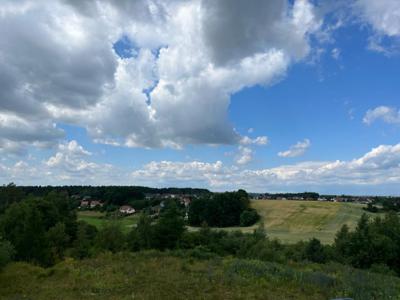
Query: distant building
pixel 185 201
pixel 84 203
pixel 95 203
pixel 127 210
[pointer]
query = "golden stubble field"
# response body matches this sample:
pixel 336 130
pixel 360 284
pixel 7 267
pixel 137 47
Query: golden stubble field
pixel 291 221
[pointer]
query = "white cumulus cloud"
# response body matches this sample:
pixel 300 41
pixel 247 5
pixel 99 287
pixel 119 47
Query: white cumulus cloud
pixel 72 164
pixel 387 114
pixel 244 156
pixel 296 150
pixel 383 15
pixel 188 57
pixel 380 166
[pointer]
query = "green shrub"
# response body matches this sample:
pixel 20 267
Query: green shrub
pixel 201 252
pixel 249 217
pixel 110 238
pixel 6 252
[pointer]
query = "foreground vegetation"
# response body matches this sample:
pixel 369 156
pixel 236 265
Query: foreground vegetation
pixel 189 275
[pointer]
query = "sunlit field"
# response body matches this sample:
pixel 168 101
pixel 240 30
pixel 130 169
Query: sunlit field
pixel 100 219
pixel 289 221
pixel 292 221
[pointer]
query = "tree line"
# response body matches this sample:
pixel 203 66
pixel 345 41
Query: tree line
pixel 223 210
pixel 110 195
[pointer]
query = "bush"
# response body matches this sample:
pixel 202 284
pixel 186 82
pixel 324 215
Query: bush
pixel 315 251
pixel 249 217
pixel 201 252
pixel 110 238
pixel 6 253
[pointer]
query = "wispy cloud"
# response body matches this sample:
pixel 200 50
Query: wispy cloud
pixel 296 150
pixel 387 114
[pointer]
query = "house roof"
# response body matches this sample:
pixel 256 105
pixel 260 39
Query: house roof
pixel 124 207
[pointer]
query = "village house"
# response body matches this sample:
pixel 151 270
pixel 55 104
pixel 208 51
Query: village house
pixel 185 201
pixel 127 210
pixel 84 203
pixel 155 211
pixel 95 203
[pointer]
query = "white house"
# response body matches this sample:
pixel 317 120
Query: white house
pixel 127 210
pixel 95 203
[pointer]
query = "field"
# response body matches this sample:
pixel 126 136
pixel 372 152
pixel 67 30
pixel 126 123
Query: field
pixel 155 275
pixel 99 219
pixel 291 221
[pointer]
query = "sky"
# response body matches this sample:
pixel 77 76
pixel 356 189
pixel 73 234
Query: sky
pixel 268 96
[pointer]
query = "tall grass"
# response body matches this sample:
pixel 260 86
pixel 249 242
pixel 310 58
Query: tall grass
pixel 190 275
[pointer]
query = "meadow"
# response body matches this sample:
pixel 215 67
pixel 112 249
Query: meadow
pixel 182 275
pixel 292 221
pixel 288 221
pixel 99 219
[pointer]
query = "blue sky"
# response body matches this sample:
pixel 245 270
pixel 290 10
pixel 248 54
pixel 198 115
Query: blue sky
pixel 284 96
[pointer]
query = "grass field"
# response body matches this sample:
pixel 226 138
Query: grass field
pixel 99 219
pixel 155 275
pixel 291 221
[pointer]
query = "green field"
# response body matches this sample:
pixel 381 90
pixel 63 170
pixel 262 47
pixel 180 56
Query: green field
pixel 99 219
pixel 291 221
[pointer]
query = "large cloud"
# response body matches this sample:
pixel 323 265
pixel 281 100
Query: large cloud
pixel 384 18
pixel 49 57
pixel 383 15
pixel 187 59
pixel 16 133
pixel 235 30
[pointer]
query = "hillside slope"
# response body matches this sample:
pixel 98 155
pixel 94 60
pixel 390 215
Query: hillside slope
pixel 291 221
pixel 155 275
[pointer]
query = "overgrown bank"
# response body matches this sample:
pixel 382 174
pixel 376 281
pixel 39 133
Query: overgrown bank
pixel 188 275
